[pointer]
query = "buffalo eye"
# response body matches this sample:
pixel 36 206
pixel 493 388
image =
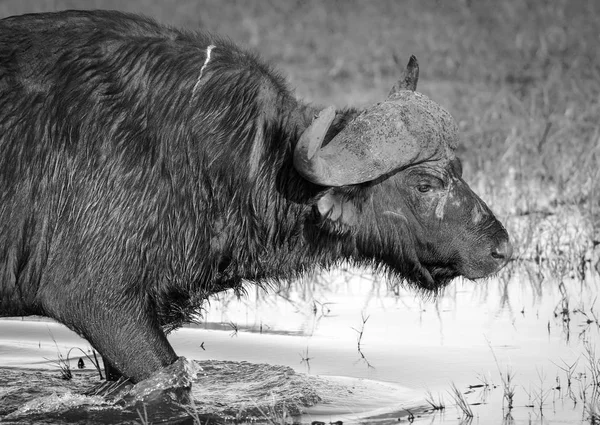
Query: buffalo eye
pixel 425 181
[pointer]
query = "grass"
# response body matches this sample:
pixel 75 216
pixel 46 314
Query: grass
pixel 538 396
pixel 593 412
pixel 93 360
pixel 64 367
pixel 507 379
pixel 435 403
pixel 64 363
pixel 569 370
pixel 460 401
pixel 360 333
pixel 590 388
pixel 508 387
pixel 305 359
pixel 593 366
pixel 234 329
pixel 583 373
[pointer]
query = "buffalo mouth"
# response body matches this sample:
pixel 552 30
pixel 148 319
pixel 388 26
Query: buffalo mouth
pixel 436 277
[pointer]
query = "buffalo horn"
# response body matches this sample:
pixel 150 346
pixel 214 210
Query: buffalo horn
pixel 312 167
pixel 410 77
pixel 405 129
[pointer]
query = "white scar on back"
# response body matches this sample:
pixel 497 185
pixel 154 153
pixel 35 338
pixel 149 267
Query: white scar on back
pixel 208 50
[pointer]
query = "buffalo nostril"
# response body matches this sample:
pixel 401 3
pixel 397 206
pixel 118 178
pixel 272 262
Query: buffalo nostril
pixel 503 251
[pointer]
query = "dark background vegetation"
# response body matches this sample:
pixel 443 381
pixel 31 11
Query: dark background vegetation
pixel 522 78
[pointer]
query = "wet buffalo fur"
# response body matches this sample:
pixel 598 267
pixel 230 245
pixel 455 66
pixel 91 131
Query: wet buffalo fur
pixel 133 186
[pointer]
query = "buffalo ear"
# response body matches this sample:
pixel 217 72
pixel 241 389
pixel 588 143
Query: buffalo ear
pixel 334 207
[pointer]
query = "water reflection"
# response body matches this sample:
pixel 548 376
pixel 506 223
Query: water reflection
pixel 525 324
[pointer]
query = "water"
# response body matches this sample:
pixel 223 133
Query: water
pixel 541 330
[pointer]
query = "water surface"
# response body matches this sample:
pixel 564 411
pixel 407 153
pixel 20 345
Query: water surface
pixel 540 330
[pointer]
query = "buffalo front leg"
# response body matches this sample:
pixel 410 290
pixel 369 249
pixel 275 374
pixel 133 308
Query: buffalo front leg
pixel 126 334
pixel 133 346
pixel 112 374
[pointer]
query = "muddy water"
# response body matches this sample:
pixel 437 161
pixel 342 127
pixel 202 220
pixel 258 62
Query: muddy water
pixel 541 330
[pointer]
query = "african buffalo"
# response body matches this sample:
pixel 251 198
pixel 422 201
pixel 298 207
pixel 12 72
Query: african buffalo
pixel 144 168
